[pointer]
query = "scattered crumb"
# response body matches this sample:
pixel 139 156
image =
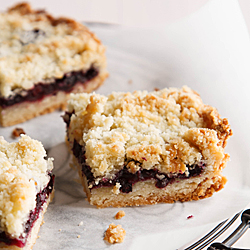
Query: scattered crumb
pixel 119 215
pixel 130 81
pixel 115 234
pixel 42 222
pixel 78 236
pixel 38 237
pixel 190 216
pixel 156 89
pixel 60 230
pixel 80 224
pixel 17 132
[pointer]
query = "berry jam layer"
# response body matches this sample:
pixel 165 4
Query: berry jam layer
pixel 41 198
pixel 41 90
pixel 128 179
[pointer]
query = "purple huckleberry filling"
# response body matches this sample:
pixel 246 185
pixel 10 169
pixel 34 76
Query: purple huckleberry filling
pixel 41 90
pixel 127 179
pixel 41 198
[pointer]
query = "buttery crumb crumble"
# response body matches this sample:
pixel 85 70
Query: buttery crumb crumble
pixel 119 214
pixel 115 234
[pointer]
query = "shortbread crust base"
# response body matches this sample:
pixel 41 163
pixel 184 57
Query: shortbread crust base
pixel 22 112
pixel 146 193
pixel 34 232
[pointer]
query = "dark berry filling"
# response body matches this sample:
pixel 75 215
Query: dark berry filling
pixel 40 90
pixel 67 117
pixel 127 179
pixel 41 198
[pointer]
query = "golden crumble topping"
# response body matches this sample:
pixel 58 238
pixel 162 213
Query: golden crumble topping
pixel 35 47
pixel 166 129
pixel 115 234
pixel 23 173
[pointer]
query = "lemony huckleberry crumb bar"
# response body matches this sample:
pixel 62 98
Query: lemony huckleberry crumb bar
pixel 147 147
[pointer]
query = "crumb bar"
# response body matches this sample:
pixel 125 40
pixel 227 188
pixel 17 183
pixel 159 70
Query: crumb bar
pixel 42 60
pixel 26 188
pixel 147 147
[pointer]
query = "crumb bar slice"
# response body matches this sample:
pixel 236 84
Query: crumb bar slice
pixel 26 188
pixel 146 147
pixel 42 60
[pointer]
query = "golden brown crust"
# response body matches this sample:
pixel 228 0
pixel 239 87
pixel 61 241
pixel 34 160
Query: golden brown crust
pixel 23 8
pixel 214 121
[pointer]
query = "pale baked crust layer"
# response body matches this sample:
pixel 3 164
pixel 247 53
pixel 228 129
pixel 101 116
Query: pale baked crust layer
pixel 145 193
pixel 27 110
pixel 169 131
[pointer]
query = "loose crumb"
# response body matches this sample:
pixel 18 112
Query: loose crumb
pixel 119 214
pixel 42 222
pixel 17 132
pixel 60 230
pixel 78 236
pixel 156 89
pixel 190 216
pixel 80 224
pixel 38 237
pixel 130 81
pixel 115 234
